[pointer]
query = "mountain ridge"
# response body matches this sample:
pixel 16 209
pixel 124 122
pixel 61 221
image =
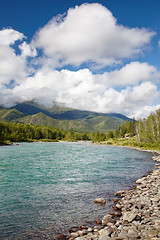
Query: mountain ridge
pixel 62 117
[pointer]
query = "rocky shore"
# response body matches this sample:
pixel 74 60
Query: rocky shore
pixel 136 213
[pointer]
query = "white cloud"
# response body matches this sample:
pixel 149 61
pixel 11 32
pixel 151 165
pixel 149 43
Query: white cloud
pixel 13 66
pixel 63 86
pixel 90 33
pixel 81 90
pixel 145 111
pixel 7 97
pixel 129 100
pixel 144 93
pixel 27 50
pixel 86 34
pixel 9 36
pixel 130 74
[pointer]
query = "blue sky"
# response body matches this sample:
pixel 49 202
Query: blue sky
pixel 101 55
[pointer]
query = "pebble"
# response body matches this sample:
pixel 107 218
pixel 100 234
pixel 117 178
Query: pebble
pixel 100 200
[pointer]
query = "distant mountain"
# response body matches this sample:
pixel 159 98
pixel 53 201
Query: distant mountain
pixel 10 114
pixel 62 118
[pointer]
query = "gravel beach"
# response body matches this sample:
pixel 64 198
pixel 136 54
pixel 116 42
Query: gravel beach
pixel 136 213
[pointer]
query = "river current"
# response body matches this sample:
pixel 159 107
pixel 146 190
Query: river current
pixel 47 187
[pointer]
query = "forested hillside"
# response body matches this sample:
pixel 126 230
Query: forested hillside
pixel 142 133
pixel 62 118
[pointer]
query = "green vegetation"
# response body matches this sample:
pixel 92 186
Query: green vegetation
pixel 143 134
pixel 62 118
pixel 39 127
pixel 10 114
pixel 19 132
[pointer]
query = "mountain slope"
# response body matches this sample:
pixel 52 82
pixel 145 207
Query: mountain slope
pixel 99 123
pixel 62 113
pixel 62 118
pixel 10 114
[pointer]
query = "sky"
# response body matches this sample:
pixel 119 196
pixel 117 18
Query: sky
pixel 101 56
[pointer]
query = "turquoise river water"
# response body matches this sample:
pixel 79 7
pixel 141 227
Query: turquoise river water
pixel 47 187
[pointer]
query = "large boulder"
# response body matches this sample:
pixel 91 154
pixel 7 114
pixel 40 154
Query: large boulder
pixel 129 216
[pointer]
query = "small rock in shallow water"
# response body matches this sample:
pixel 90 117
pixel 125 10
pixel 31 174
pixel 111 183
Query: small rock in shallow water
pixel 72 229
pixel 61 237
pixel 100 200
pixel 98 221
pixel 82 227
pixel 107 219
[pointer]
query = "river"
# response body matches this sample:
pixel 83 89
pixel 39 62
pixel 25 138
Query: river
pixel 47 187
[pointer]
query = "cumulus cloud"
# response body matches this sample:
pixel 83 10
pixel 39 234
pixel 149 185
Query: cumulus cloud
pixel 7 97
pixel 62 86
pixel 131 74
pixel 145 111
pixel 9 36
pixel 129 100
pixel 81 89
pixel 13 66
pixel 90 33
pixel 27 50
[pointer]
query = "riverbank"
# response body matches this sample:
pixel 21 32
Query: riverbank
pixel 136 213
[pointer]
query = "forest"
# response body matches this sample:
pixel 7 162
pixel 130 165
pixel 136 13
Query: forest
pixel 145 132
pixel 20 132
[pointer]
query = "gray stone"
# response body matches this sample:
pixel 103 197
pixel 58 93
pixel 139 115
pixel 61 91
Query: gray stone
pixel 141 180
pixel 80 233
pixel 129 216
pixel 104 237
pixel 122 235
pixel 156 199
pixel 89 229
pixel 80 238
pixel 106 231
pixel 107 219
pixel 132 234
pixel 100 200
pixel 74 234
pixel 119 206
pixel 97 228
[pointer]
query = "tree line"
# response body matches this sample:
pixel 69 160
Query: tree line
pixel 19 132
pixel 145 131
pixel 148 129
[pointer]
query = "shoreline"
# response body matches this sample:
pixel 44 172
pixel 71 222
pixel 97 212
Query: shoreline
pixel 136 211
